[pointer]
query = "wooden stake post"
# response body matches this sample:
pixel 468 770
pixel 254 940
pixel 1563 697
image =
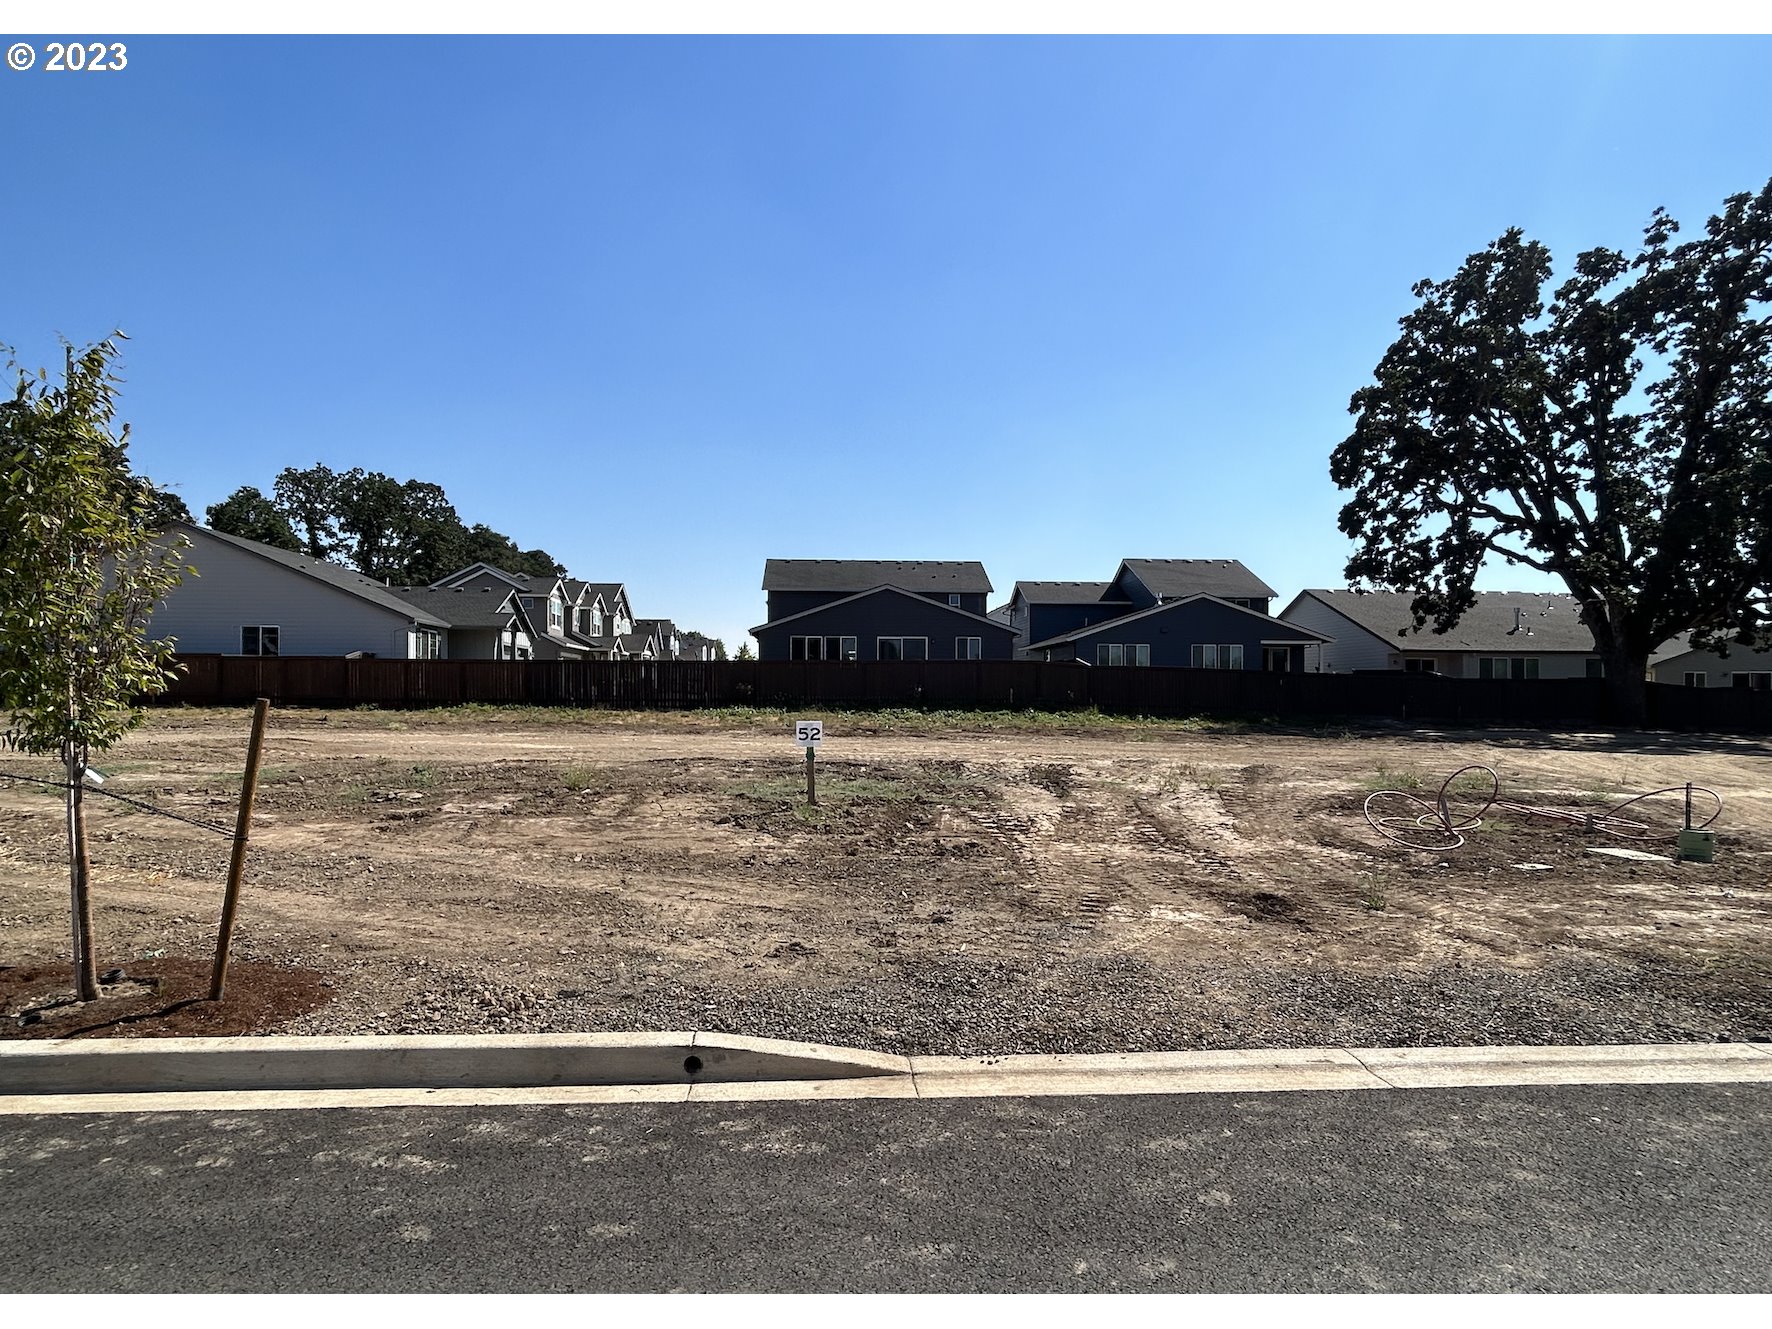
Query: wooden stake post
pixel 809 734
pixel 237 864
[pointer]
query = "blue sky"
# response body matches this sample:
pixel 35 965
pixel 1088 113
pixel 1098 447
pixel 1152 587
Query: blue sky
pixel 669 307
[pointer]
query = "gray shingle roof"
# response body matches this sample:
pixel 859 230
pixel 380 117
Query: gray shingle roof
pixel 860 574
pixel 1172 578
pixel 336 575
pixel 1063 592
pixel 1545 622
pixel 484 608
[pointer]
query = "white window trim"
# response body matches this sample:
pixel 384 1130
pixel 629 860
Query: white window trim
pixel 977 655
pixel 1699 674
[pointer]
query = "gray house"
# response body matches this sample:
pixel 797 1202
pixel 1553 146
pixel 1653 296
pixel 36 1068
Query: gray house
pixel 485 623
pixel 1506 634
pixel 1200 613
pixel 252 599
pixel 1678 663
pixel 879 609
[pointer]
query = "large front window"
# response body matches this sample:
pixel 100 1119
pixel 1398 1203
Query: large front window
pixel 902 648
pixel 1754 681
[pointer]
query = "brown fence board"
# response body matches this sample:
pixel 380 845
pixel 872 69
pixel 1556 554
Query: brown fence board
pixel 958 684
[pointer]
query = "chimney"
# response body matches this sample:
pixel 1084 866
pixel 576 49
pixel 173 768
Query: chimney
pixel 1518 620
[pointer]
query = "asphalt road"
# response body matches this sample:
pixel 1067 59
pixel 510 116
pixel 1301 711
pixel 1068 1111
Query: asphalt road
pixel 1616 1189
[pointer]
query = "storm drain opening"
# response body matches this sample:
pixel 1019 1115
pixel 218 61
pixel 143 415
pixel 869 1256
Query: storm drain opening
pixel 692 1065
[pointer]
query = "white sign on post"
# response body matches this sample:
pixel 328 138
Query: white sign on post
pixel 808 733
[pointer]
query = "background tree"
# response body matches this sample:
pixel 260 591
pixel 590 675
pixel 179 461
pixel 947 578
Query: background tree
pixel 745 652
pixel 160 507
pixel 1619 438
pixel 251 516
pixel 309 501
pixel 80 572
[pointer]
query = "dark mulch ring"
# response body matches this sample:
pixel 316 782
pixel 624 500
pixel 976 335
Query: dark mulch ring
pixel 165 997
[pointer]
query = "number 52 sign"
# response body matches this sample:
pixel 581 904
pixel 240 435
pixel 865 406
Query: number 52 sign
pixel 808 733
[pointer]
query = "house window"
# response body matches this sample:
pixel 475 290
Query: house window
pixel 428 645
pixel 1757 682
pixel 1420 665
pixel 556 613
pixel 954 600
pixel 1224 656
pixel 1276 659
pixel 258 641
pixel 596 621
pixel 902 648
pixel 1695 680
pixel 1113 653
pixel 968 648
pixel 1504 666
pixel 1595 668
pixel 821 648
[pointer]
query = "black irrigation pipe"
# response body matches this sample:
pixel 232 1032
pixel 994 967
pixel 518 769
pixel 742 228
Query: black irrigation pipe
pixel 222 831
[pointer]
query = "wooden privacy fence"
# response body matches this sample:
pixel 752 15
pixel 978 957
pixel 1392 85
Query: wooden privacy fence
pixel 957 684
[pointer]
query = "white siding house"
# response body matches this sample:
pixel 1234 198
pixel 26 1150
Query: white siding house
pixel 251 599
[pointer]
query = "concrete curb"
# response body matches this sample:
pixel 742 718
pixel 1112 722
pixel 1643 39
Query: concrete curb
pixel 490 1061
pixel 252 1074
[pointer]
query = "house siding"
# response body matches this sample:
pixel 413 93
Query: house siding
pixel 236 588
pixel 888 615
pixel 1172 633
pixel 1718 670
pixel 1353 648
pixel 1055 620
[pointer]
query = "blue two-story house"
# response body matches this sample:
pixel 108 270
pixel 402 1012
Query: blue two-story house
pixel 875 609
pixel 1200 613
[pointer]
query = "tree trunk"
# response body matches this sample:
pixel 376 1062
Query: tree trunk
pixel 1627 685
pixel 85 960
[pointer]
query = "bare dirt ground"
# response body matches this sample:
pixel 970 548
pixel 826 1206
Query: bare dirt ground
pixel 994 891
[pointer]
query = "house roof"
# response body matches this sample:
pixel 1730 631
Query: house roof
pixel 1545 623
pixel 483 608
pixel 860 574
pixel 335 575
pixel 635 642
pixel 887 590
pixel 515 579
pixel 1064 592
pixel 610 591
pixel 1295 632
pixel 1176 578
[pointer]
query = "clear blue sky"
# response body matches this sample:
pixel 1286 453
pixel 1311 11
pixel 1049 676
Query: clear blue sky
pixel 667 308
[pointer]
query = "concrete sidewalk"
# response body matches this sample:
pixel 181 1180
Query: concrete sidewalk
pixel 137 1075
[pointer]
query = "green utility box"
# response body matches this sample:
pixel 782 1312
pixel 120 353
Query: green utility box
pixel 1698 846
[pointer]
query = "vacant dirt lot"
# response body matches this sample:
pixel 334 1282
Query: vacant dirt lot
pixel 993 891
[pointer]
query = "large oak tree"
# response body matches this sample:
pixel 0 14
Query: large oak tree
pixel 1618 437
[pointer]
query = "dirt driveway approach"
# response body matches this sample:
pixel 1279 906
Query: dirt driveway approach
pixel 1007 887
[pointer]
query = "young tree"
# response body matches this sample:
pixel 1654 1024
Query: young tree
pixel 745 652
pixel 80 572
pixel 251 516
pixel 1619 438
